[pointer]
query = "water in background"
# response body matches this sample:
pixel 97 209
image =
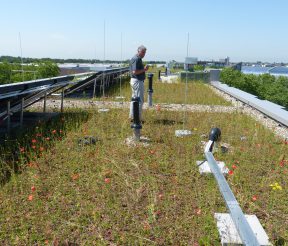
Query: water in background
pixel 276 71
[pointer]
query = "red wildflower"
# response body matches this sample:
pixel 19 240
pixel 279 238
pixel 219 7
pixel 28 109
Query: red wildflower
pixel 234 166
pixel 54 131
pixel 22 149
pixel 30 197
pixel 41 149
pixel 33 188
pixel 254 198
pixel 38 135
pixel 75 176
pixel 157 213
pixel 47 138
pixel 107 180
pixel 34 141
pixel 230 172
pixel 33 147
pixel 146 225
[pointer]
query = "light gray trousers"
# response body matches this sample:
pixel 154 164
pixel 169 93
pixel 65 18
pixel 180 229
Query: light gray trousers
pixel 137 87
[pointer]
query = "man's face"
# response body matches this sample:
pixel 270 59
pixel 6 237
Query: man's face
pixel 141 53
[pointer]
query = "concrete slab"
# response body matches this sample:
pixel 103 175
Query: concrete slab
pixel 204 167
pixel 103 110
pixel 182 133
pixel 229 234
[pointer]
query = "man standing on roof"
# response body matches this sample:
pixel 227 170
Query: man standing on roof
pixel 137 71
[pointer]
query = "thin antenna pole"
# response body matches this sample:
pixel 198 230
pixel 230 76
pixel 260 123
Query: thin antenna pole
pixel 103 80
pixel 21 56
pixel 104 41
pixel 121 67
pixel 95 55
pixel 94 87
pixel 186 82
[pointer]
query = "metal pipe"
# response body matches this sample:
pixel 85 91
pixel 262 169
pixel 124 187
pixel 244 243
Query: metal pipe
pixel 103 85
pixel 245 232
pixel 159 75
pixel 94 88
pixel 136 118
pixel 150 89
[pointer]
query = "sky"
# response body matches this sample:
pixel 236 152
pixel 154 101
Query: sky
pixel 246 30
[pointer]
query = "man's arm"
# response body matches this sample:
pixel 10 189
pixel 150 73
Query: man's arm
pixel 139 71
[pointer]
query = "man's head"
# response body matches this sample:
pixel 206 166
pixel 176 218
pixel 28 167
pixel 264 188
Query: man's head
pixel 142 51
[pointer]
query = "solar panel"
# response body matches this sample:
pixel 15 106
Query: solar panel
pixel 97 77
pixel 17 96
pixel 30 91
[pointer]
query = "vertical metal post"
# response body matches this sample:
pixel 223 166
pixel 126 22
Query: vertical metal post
pixel 8 117
pixel 103 84
pixel 94 88
pixel 62 100
pixel 21 112
pixel 45 99
pixel 120 79
pixel 150 89
pixel 136 118
pixel 159 75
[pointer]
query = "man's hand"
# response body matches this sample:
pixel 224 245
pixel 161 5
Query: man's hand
pixel 146 67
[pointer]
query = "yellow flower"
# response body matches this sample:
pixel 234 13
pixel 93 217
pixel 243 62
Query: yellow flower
pixel 276 186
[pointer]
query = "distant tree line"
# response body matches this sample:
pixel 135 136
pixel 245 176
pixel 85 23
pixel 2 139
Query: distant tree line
pixel 12 59
pixel 264 86
pixel 15 69
pixel 15 72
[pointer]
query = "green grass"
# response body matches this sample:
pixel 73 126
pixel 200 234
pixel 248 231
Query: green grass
pixel 110 193
pixel 197 93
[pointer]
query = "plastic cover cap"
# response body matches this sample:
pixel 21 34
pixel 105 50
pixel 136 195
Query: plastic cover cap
pixel 215 134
